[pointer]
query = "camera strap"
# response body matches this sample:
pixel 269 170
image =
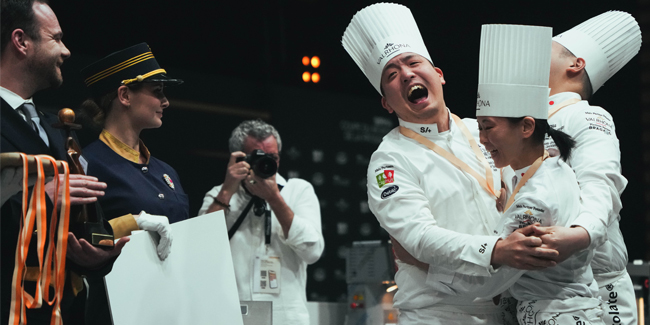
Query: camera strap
pixel 260 204
pixel 240 219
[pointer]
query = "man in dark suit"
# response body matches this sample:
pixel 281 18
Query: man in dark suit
pixel 31 55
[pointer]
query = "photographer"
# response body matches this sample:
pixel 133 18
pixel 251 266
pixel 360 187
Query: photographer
pixel 274 224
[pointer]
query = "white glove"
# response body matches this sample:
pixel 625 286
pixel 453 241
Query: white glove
pixel 11 181
pixel 159 224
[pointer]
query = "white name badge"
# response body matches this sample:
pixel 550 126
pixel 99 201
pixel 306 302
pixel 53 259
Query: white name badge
pixel 266 277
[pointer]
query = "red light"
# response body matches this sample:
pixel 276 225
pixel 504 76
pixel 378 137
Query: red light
pixel 354 305
pixel 646 283
pixel 305 60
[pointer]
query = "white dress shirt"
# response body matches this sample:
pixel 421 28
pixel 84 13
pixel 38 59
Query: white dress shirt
pixel 304 245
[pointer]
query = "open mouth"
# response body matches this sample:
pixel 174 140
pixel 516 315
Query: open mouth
pixel 417 93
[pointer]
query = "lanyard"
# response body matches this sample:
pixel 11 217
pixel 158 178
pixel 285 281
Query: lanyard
pixel 562 105
pixel 531 171
pixel 486 183
pixel 267 224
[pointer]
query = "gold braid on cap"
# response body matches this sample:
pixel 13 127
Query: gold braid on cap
pixel 143 76
pixel 118 67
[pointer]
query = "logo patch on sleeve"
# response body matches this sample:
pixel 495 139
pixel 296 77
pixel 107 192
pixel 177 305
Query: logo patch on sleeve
pixel 387 176
pixel 389 191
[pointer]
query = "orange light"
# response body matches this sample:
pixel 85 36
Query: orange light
pixel 315 77
pixel 306 76
pixel 315 61
pixel 305 60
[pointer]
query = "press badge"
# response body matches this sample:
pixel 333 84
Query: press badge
pixel 267 274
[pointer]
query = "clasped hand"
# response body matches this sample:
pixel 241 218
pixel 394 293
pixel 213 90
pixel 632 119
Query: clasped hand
pixel 529 248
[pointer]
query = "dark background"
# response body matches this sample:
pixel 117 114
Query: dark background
pixel 242 60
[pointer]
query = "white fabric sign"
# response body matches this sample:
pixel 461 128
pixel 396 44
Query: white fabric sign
pixel 194 285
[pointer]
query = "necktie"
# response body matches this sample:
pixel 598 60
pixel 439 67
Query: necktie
pixel 32 118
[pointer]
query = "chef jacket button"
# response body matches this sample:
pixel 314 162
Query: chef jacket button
pixel 161 196
pixel 145 169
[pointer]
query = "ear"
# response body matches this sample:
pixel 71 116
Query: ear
pixel 124 96
pixel 441 75
pixel 528 127
pixel 384 103
pixel 20 41
pixel 577 66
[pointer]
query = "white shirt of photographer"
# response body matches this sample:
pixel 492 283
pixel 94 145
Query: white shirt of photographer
pixel 303 246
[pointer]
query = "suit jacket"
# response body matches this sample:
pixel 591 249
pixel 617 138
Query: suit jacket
pixel 18 136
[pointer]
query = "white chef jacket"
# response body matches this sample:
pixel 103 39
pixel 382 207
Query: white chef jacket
pixel 550 197
pixel 303 246
pixel 438 213
pixel 596 160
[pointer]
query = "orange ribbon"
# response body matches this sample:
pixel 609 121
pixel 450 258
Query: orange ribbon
pixel 485 182
pixel 562 105
pixel 529 173
pixel 34 213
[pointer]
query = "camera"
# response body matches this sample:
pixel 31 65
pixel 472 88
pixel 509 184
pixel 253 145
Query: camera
pixel 261 163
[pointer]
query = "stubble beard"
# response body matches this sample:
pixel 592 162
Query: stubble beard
pixel 45 71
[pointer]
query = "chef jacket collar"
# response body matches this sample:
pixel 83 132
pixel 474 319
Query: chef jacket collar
pixel 559 98
pixel 429 131
pixel 519 173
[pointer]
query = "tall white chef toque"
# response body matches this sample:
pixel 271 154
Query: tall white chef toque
pixel 514 65
pixel 378 33
pixel 607 42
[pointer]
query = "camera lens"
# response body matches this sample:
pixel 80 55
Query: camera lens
pixel 265 167
pixel 262 163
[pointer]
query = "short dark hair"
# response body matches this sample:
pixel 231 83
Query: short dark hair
pixel 18 14
pixel 587 90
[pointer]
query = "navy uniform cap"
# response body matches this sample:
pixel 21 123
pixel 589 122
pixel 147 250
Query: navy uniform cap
pixel 131 65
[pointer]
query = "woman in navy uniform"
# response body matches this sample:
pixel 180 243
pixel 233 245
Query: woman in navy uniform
pixel 142 192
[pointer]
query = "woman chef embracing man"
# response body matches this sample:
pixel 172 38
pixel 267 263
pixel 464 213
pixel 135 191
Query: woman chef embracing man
pixel 512 113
